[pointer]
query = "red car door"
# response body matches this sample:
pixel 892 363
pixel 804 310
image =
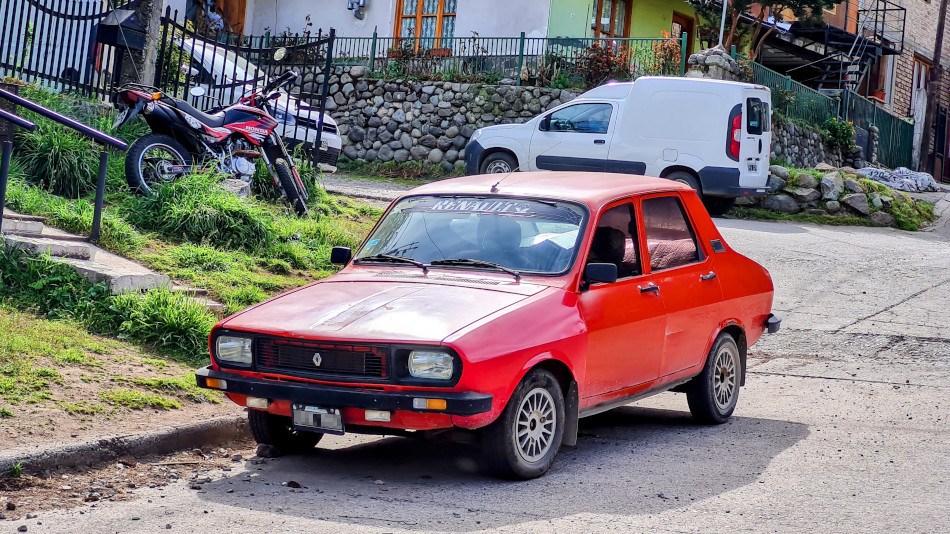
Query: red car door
pixel 687 280
pixel 625 320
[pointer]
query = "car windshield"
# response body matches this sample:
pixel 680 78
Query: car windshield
pixel 224 62
pixel 525 235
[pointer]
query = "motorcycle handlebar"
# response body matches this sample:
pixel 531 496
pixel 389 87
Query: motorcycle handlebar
pixel 280 81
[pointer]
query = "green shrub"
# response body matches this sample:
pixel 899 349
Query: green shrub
pixel 58 159
pixel 195 209
pixel 838 134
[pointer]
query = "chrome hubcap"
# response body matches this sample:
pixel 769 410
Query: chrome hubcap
pixel 498 167
pixel 156 163
pixel 535 425
pixel 724 379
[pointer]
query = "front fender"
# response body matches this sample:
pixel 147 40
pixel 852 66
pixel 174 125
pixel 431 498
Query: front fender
pixel 493 144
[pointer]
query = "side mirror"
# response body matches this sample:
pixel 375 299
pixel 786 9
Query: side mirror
pixel 545 124
pixel 197 91
pixel 342 255
pixel 601 272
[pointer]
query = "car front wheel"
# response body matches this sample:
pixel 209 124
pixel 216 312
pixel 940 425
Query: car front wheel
pixel 278 431
pixel 713 394
pixel 524 440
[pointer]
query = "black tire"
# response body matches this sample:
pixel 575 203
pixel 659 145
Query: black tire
pixel 498 163
pixel 289 185
pixel 718 206
pixel 684 177
pixel 713 394
pixel 508 458
pixel 139 179
pixel 277 431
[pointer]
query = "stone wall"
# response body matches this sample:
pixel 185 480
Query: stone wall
pixel 803 147
pixel 403 120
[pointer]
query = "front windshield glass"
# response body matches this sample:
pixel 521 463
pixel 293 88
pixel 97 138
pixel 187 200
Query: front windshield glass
pixel 526 235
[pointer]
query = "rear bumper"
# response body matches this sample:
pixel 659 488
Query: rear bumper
pixel 724 182
pixel 773 323
pixel 456 403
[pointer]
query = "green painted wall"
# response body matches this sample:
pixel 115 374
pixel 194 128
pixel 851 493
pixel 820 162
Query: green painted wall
pixel 570 18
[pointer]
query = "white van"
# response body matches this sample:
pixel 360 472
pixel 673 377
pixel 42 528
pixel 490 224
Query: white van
pixel 709 134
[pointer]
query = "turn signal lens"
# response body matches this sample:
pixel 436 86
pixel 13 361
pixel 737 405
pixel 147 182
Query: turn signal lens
pixel 216 383
pixel 428 404
pixel 156 96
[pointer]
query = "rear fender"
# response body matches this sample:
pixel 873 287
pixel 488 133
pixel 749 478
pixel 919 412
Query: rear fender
pixel 737 330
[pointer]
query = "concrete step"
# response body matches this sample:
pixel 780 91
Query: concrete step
pixel 216 307
pixel 190 291
pixel 14 216
pixel 54 247
pixel 18 227
pixel 120 274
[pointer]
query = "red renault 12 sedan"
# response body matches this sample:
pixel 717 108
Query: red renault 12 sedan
pixel 511 309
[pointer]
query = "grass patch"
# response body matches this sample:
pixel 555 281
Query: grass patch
pixel 136 400
pixel 909 214
pixel 741 212
pixel 82 408
pixel 410 172
pixel 6 412
pixel 183 387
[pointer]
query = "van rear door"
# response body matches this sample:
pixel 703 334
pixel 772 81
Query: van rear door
pixel 756 139
pixel 574 138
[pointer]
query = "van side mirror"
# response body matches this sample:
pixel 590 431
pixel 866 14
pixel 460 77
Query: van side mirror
pixel 601 272
pixel 340 255
pixel 545 124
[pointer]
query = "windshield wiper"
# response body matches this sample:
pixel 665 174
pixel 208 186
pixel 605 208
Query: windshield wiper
pixel 389 258
pixel 477 263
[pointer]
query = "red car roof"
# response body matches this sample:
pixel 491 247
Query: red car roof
pixel 592 188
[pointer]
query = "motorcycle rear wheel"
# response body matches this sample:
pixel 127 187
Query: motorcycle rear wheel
pixel 289 185
pixel 147 156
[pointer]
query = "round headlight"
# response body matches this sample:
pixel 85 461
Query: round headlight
pixel 233 349
pixel 432 365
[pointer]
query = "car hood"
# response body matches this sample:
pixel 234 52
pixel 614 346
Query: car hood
pixel 381 311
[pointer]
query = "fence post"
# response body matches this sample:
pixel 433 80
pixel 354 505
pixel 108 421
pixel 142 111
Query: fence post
pixel 100 193
pixel 683 54
pixel 324 93
pixel 372 54
pixel 788 83
pixel 732 51
pixel 520 59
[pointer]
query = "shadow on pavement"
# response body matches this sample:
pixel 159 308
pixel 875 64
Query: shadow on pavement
pixel 628 461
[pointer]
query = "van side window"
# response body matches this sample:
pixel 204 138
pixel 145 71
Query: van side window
pixel 671 241
pixel 584 118
pixel 615 241
pixel 758 116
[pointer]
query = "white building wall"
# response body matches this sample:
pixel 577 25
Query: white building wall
pixel 502 18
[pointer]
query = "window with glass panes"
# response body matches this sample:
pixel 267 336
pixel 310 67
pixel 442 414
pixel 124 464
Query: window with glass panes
pixel 611 18
pixel 432 22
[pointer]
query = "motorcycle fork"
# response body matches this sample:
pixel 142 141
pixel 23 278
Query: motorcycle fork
pixel 278 143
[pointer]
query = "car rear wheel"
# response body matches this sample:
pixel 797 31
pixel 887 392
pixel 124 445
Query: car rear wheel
pixel 277 431
pixel 684 177
pixel 499 163
pixel 524 440
pixel 713 394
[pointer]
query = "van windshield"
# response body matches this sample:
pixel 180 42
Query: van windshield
pixel 527 235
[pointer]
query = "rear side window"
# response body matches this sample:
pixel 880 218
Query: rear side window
pixel 671 240
pixel 757 116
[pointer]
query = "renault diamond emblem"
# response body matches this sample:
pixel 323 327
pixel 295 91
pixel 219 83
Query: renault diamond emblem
pixel 317 359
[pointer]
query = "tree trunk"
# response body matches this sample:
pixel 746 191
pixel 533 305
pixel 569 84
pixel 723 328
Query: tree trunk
pixel 936 74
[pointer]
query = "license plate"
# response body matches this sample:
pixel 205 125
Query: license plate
pixel 753 166
pixel 120 118
pixel 316 419
pixel 324 144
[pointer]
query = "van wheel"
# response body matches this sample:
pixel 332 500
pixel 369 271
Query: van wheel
pixel 684 177
pixel 499 163
pixel 717 206
pixel 524 440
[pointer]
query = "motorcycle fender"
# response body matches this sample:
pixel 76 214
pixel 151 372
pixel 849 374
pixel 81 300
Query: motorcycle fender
pixel 132 113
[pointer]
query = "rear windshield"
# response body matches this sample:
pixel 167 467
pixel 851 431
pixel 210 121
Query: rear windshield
pixel 757 115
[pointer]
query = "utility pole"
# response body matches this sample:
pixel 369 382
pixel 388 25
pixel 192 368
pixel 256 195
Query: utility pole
pixel 936 74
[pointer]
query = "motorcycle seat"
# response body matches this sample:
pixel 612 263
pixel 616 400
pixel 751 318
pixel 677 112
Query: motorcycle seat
pixel 214 120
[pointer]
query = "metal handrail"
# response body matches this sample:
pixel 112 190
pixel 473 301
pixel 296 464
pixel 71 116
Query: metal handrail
pixel 102 138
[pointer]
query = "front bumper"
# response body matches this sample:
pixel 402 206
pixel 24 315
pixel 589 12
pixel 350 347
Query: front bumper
pixel 456 403
pixel 473 157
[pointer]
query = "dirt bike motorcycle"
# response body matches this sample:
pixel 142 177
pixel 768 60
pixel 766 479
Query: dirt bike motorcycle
pixel 227 141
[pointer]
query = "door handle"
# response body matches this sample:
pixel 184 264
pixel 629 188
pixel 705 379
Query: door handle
pixel 599 141
pixel 709 276
pixel 760 146
pixel 652 288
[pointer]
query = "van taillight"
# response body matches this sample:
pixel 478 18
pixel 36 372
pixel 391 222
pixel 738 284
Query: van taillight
pixel 736 136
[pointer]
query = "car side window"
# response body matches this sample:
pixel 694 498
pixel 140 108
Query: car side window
pixel 615 241
pixel 582 118
pixel 758 116
pixel 671 241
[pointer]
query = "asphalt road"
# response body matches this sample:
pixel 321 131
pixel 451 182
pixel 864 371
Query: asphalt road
pixel 843 427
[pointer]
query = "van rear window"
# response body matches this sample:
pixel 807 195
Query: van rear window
pixel 757 116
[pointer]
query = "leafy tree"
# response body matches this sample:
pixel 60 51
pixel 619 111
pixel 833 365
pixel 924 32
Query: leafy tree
pixel 807 12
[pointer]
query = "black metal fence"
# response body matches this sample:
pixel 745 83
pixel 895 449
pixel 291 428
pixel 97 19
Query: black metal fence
pixel 228 66
pixel 53 43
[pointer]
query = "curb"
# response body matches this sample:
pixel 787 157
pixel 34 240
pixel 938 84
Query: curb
pixel 162 441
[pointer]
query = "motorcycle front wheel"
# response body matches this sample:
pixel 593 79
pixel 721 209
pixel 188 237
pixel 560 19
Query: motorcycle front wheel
pixel 151 162
pixel 287 182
